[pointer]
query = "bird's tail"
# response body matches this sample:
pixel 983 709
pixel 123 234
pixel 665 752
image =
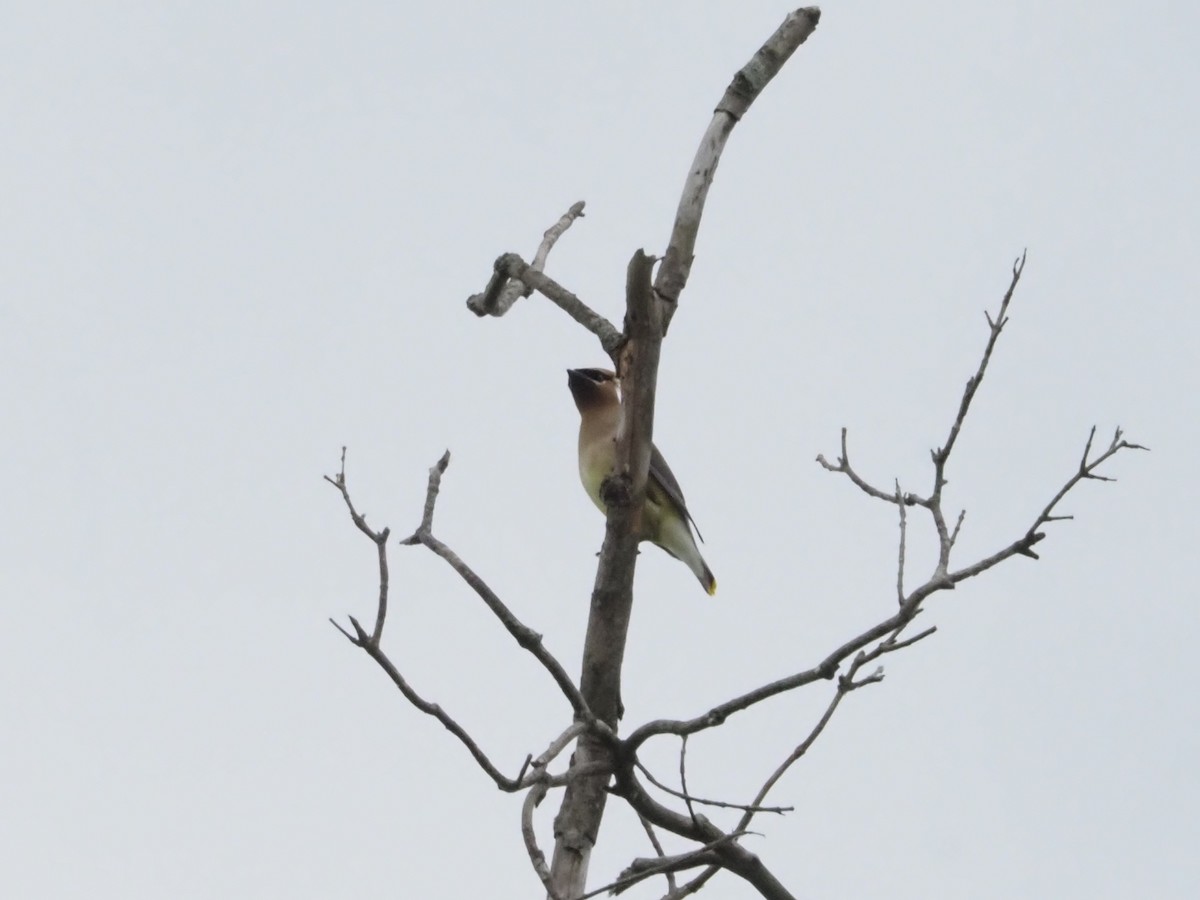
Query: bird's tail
pixel 700 568
pixel 677 539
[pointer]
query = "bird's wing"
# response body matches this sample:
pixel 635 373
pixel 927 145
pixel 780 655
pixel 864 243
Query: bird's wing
pixel 662 475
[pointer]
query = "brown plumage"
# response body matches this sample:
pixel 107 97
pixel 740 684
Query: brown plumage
pixel 665 519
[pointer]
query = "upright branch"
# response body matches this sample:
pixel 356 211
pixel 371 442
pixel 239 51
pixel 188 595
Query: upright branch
pixel 995 326
pixel 747 84
pixel 379 538
pixel 647 314
pixel 624 492
pixel 578 821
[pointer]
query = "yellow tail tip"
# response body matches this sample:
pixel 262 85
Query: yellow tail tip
pixel 712 587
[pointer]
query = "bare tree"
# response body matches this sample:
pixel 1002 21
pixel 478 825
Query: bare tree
pixel 604 762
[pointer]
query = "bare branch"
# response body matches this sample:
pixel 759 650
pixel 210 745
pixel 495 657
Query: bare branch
pixel 843 688
pixel 908 610
pixel 603 763
pixel 962 514
pixel 747 84
pixel 1087 471
pixel 942 455
pixel 903 541
pixel 533 798
pixel 683 774
pixel 846 684
pixel 891 645
pixel 995 326
pixel 551 235
pixel 824 670
pixel 1023 546
pixel 641 869
pixel 525 636
pixel 380 538
pixel 853 684
pixel 721 804
pixel 510 265
pixel 910 605
pixel 372 648
pixel 843 467
pixel 351 638
pixel 658 848
pixel 694 885
pixel 558 745
pixel 501 292
pixel 578 822
pixel 729 854
pixel 431 494
pixel 648 313
pixel 942 577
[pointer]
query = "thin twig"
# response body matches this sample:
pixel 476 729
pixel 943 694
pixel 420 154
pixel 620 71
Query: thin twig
pixel 903 537
pixel 843 688
pixel 691 887
pixel 729 852
pixel 941 456
pixel 641 869
pixel 1087 471
pixel 721 804
pixel 380 538
pixel 363 640
pixel 846 684
pixel 683 774
pixel 995 326
pixel 658 848
pixel 525 636
pixel 431 494
pixel 843 467
pixel 962 514
pixel 891 645
pixel 1023 546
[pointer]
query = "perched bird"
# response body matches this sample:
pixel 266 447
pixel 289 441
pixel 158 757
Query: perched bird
pixel 665 516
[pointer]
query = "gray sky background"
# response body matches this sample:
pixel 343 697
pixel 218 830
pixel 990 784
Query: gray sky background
pixel 240 235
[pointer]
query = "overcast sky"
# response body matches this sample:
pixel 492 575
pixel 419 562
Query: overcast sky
pixel 238 236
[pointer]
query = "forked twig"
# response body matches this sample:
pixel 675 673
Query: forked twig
pixel 504 290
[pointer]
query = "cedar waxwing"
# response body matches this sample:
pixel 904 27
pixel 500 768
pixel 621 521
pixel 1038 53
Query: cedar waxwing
pixel 665 516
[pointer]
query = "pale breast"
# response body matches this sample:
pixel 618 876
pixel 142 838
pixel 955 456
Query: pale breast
pixel 595 464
